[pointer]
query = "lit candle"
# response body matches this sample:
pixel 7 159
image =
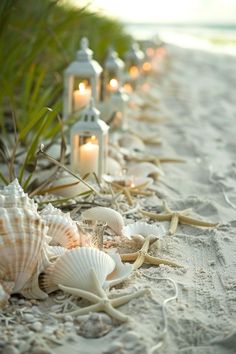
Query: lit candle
pixel 81 97
pixel 150 52
pixel 128 88
pixel 147 67
pixel 112 86
pixel 134 72
pixel 89 157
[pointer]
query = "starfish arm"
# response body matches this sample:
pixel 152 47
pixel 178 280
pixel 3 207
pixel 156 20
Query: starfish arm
pixel 155 216
pixel 129 257
pixel 187 220
pixel 81 311
pixel 99 290
pixel 126 298
pixel 158 261
pixel 80 293
pixel 139 261
pixel 146 244
pixel 114 313
pixel 166 207
pixel 173 224
pixel 186 211
pixel 171 160
pixel 128 195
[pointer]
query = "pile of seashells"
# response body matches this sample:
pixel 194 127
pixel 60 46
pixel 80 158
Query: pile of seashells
pixel 41 252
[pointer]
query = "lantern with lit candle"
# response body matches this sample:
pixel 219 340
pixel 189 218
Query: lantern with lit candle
pixel 118 104
pixel 81 81
pixel 133 62
pixel 89 143
pixel 113 70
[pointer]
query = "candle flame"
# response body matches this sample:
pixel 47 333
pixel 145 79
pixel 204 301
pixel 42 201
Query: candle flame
pixel 128 88
pixel 150 52
pixel 134 71
pixel 113 83
pixel 147 66
pixel 82 87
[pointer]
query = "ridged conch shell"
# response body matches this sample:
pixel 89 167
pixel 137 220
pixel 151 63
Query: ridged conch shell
pixel 23 235
pixel 144 229
pixel 145 169
pixel 61 228
pixel 73 269
pixel 113 219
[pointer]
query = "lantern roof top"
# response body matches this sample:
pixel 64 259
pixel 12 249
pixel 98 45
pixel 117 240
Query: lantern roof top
pixel 90 120
pixel 134 53
pixel 113 62
pixel 84 64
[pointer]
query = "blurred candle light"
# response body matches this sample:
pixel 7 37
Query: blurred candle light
pixel 113 85
pixel 147 67
pixel 134 72
pixel 128 88
pixel 81 97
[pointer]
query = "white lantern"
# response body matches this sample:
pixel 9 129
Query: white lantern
pixel 81 81
pixel 118 104
pixel 133 63
pixel 89 143
pixel 112 74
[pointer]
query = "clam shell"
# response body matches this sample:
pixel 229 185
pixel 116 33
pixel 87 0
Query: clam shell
pixel 121 271
pixel 145 169
pixel 113 167
pixel 73 269
pixel 144 229
pixel 113 219
pixel 68 187
pixel 131 142
pixel 61 228
pixel 22 239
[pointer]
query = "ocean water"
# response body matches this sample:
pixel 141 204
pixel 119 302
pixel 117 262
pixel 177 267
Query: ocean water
pixel 210 37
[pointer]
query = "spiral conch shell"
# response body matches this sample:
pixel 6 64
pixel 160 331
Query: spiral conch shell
pixel 113 219
pixel 61 228
pixel 73 269
pixel 23 249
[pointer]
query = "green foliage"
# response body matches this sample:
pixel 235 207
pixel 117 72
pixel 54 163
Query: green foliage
pixel 38 39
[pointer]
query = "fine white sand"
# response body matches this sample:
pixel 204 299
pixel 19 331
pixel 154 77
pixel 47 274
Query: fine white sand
pixel 196 94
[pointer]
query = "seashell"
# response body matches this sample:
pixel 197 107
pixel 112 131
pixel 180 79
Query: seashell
pixel 94 325
pixel 74 267
pixel 120 272
pixel 61 228
pixel 68 187
pixel 113 167
pixel 113 219
pixel 58 250
pixel 144 229
pixel 23 247
pixel 145 169
pixel 115 153
pixel 131 142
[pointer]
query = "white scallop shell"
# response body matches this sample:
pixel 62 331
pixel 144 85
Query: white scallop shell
pixel 68 187
pixel 121 271
pixel 115 153
pixel 61 228
pixel 22 239
pixel 73 269
pixel 113 219
pixel 145 169
pixel 144 229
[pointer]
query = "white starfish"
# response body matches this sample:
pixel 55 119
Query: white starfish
pixel 100 301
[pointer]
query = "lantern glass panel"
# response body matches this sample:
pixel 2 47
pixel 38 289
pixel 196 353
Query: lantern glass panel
pixel 82 93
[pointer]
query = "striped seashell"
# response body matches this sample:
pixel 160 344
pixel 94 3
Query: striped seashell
pixel 61 228
pixel 73 269
pixel 113 219
pixel 22 240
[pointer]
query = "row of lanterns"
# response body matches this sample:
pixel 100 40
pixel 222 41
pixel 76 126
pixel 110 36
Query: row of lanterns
pixel 84 89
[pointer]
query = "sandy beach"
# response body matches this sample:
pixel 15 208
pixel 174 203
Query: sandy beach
pixel 196 97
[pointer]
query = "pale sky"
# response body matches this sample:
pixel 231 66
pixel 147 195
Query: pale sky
pixel 166 10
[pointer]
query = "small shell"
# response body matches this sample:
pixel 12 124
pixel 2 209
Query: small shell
pixel 131 142
pixel 113 219
pixel 145 169
pixel 115 153
pixel 144 229
pixel 61 228
pixel 121 271
pixel 113 167
pixel 68 187
pixel 94 325
pixel 73 269
pixel 58 250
